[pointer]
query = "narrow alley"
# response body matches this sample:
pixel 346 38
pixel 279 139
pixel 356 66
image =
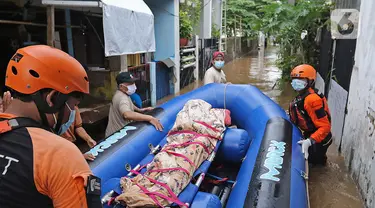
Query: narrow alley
pixel 330 186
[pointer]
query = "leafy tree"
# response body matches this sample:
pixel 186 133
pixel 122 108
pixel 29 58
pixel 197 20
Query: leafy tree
pixel 249 11
pixel 191 10
pixel 285 22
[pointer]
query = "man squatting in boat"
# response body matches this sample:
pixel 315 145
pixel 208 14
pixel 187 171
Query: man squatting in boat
pixel 309 111
pixel 122 110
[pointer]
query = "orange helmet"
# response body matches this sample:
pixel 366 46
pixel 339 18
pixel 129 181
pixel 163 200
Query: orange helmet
pixel 304 71
pixel 34 68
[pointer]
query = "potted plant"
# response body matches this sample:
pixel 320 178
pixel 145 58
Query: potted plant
pixel 186 28
pixel 215 31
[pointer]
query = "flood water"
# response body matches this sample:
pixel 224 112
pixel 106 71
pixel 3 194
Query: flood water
pixel 330 186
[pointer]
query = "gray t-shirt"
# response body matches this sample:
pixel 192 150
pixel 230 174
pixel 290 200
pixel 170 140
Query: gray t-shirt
pixel 121 103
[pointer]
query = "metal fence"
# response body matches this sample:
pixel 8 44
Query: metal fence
pixel 188 65
pixel 142 73
pixel 206 49
pixel 325 59
pixel 343 60
pixel 163 80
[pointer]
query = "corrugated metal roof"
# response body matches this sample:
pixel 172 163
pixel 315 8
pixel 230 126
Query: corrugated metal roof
pixel 348 4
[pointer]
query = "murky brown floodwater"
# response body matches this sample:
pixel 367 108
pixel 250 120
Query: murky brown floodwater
pixel 330 186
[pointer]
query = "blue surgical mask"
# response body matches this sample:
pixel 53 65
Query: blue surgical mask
pixel 64 127
pixel 299 84
pixel 219 64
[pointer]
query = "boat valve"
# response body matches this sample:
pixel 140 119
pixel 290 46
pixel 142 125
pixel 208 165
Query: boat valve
pixel 128 167
pixel 153 149
pixel 107 197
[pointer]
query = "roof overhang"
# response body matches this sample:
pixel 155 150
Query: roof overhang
pixel 128 25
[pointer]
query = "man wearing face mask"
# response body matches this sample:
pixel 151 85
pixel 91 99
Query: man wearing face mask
pixel 37 167
pixel 215 74
pixel 122 110
pixel 309 111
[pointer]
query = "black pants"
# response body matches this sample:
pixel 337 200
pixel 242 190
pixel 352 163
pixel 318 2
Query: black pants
pixel 318 151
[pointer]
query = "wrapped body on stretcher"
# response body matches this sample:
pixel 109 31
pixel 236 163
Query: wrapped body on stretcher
pixel 193 138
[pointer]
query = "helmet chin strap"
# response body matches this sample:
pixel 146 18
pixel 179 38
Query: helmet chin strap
pixel 44 108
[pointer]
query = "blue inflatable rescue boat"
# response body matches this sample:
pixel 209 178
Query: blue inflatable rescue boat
pixel 258 164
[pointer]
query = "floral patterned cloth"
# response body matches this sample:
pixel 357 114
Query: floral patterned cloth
pixel 197 122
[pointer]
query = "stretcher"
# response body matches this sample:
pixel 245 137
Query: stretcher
pixel 191 191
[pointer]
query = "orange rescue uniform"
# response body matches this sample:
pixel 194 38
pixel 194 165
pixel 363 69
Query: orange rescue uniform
pixel 46 170
pixel 309 111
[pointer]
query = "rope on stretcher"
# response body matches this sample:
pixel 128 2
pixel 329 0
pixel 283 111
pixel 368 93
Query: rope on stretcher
pixel 173 197
pixel 219 179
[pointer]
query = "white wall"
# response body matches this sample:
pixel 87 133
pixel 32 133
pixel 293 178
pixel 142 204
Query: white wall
pixel 358 141
pixel 337 97
pixel 216 13
pixel 319 83
pixel 206 19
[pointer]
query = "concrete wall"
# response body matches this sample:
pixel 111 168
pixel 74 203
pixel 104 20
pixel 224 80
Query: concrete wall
pixel 206 19
pixel 216 13
pixel 358 141
pixel 163 11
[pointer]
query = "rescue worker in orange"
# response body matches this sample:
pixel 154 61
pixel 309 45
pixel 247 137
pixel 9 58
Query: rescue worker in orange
pixel 309 111
pixel 37 167
pixel 76 129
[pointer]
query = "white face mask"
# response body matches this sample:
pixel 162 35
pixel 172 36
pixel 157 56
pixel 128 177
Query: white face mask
pixel 299 84
pixel 131 89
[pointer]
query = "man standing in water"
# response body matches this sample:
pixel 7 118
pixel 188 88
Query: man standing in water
pixel 122 110
pixel 309 111
pixel 215 74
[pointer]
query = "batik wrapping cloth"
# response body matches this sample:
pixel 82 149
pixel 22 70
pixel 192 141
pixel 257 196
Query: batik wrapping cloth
pixel 192 139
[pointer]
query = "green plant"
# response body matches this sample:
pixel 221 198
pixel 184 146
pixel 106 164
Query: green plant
pixel 186 27
pixel 286 22
pixel 215 31
pixel 193 8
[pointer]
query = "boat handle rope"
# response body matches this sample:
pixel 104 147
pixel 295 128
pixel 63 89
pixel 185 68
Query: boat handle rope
pixel 225 92
pixel 305 176
pixel 307 182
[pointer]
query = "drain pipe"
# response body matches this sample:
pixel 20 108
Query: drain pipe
pixel 153 83
pixel 332 67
